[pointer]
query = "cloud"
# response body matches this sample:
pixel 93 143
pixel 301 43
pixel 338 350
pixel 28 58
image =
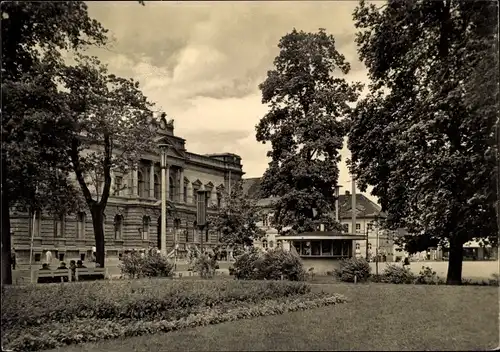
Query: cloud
pixel 202 62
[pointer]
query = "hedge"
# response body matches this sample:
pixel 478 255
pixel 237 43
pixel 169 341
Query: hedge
pixel 57 334
pixel 126 299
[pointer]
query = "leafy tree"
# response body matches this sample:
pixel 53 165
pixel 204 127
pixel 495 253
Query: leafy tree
pixel 32 129
pixel 112 126
pixel 307 98
pixel 236 219
pixel 423 137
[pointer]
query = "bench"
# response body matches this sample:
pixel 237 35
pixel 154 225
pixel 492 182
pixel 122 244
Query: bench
pixel 50 276
pixel 87 274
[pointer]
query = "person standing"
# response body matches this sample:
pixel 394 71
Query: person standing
pixel 406 261
pixel 48 257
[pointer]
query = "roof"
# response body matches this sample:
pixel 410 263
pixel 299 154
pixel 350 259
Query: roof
pixel 251 187
pixel 365 206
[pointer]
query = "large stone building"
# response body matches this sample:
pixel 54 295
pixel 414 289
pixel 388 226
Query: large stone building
pixel 362 240
pixel 132 216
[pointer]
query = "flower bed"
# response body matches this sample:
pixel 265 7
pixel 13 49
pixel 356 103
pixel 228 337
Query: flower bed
pixel 37 317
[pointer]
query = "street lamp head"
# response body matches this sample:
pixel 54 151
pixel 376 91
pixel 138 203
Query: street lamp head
pixel 163 154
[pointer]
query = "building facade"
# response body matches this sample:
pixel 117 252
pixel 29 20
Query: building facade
pixel 133 215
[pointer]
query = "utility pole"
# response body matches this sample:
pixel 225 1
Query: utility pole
pixel 366 230
pixel 377 256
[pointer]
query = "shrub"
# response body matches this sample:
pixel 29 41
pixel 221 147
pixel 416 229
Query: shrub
pixel 277 263
pixel 271 265
pixel 245 265
pixel 131 265
pixel 427 276
pixel 206 266
pixel 396 274
pixel 152 264
pixel 353 267
pixel 155 265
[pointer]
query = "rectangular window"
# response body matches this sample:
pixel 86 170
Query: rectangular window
pixel 326 247
pixel 59 226
pixel 316 247
pixel 264 220
pixel 80 226
pixel 118 185
pixel 370 227
pixel 185 195
pixel 337 248
pixel 306 248
pixel 38 256
pixel 358 227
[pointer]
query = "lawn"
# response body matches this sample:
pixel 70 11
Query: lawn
pixel 378 317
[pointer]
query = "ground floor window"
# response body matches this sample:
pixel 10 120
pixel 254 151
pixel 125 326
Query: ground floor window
pixel 324 248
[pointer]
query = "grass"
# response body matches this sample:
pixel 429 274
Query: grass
pixel 378 317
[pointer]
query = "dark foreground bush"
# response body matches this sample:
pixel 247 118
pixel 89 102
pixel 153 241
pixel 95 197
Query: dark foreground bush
pixel 125 299
pixel 353 267
pixel 135 265
pixel 397 274
pixel 271 265
pixel 57 334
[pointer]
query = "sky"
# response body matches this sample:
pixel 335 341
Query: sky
pixel 202 62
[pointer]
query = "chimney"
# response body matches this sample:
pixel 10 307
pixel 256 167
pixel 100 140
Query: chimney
pixel 347 193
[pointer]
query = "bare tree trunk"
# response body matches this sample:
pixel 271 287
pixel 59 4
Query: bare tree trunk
pixel 6 240
pixel 498 177
pixel 98 225
pixel 455 262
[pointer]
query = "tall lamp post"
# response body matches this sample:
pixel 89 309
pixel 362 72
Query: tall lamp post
pixel 163 165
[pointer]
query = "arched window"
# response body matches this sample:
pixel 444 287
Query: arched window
pixel 145 227
pixel 171 188
pixel 157 187
pixel 59 221
pixel 81 218
pixel 369 246
pixel 140 184
pixel 264 244
pixel 357 246
pixel 118 226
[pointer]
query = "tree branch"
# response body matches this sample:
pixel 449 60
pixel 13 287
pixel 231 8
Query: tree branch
pixel 75 159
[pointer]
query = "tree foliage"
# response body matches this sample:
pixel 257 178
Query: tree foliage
pixel 236 219
pixel 112 125
pixel 423 137
pixel 33 131
pixel 308 99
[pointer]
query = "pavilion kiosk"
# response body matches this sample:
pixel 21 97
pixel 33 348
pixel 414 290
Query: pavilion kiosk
pixel 322 250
